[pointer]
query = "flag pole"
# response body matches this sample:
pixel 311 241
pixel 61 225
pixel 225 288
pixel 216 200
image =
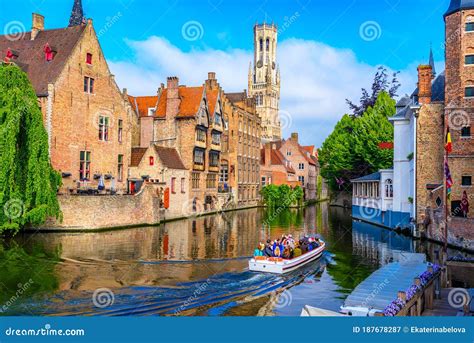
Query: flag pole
pixel 446 194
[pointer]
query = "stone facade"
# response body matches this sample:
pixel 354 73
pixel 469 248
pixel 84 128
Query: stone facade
pixel 459 111
pixel 241 155
pixel 304 164
pixel 264 80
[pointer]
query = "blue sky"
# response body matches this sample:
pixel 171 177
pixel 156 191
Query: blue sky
pixel 324 53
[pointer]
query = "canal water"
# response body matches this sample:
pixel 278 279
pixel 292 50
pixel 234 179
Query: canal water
pixel 193 267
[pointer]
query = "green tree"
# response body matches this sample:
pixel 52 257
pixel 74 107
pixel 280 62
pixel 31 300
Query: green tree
pixel 352 150
pixel 28 183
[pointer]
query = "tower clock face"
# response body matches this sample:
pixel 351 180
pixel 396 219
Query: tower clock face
pixel 260 64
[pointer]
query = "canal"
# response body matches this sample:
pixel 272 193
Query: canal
pixel 193 267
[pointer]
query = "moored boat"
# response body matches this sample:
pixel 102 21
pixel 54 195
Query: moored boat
pixel 277 265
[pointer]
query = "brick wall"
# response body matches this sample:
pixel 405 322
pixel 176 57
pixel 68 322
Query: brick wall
pixel 75 115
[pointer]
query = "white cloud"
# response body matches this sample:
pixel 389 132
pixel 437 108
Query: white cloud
pixel 316 78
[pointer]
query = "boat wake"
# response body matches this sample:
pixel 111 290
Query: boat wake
pixel 222 294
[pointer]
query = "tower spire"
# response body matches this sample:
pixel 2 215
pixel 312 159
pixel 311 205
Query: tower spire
pixel 77 14
pixel 431 62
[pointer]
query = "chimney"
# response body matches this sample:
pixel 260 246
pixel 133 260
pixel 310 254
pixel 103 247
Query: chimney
pixel 172 97
pixel 425 76
pixel 38 25
pixel 211 81
pixel 268 154
pixel 294 137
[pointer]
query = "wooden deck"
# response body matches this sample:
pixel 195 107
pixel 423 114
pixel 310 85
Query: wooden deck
pixel 441 307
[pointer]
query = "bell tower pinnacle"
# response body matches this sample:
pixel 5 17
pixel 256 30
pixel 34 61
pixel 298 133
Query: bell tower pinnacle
pixel 264 80
pixel 77 14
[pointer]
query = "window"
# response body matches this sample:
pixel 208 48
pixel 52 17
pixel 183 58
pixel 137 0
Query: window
pixel 268 44
pixel 199 157
pixel 218 119
pixel 469 59
pixel 288 152
pixel 261 44
pixel 120 130
pixel 388 188
pixel 201 135
pixel 85 165
pixel 88 85
pixel 183 185
pixel 195 180
pixel 224 173
pixel 301 180
pixel 89 58
pixel 469 92
pixel 264 181
pixel 120 168
pixel 48 53
pixel 469 27
pixel 301 166
pixel 103 128
pixel 466 132
pixel 216 138
pixel 173 185
pixel 211 181
pixel 213 159
pixel 151 160
pixel 466 181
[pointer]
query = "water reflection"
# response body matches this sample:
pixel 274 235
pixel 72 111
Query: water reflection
pixel 153 271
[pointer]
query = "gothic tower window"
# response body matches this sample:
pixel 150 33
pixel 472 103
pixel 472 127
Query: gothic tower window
pixel 268 44
pixel 261 44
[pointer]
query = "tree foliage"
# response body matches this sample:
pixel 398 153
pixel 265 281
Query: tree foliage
pixel 381 84
pixel 282 196
pixel 28 183
pixel 352 150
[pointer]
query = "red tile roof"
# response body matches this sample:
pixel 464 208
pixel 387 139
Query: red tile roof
pixel 277 158
pixel 190 101
pixel 212 96
pixel 31 56
pixel 141 104
pixel 306 155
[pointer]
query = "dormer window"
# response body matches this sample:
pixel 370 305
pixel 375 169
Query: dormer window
pixel 49 53
pixel 12 54
pixel 151 159
pixel 89 58
pixel 151 111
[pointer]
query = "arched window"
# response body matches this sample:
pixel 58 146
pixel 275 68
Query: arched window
pixel 388 188
pixel 268 44
pixel 261 44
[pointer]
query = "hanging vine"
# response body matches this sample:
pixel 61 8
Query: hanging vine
pixel 28 183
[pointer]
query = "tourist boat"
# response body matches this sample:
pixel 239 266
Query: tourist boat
pixel 277 265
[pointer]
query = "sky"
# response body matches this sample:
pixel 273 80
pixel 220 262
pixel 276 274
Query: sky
pixel 328 50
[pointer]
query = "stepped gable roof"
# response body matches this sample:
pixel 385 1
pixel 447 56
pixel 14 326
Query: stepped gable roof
pixel 141 104
pixel 137 156
pixel 190 101
pixel 212 96
pixel 170 157
pixel 457 5
pixel 235 97
pixel 31 56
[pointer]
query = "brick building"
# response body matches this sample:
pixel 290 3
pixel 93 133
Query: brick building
pixel 304 162
pixel 275 169
pixel 190 120
pixel 241 166
pixel 87 119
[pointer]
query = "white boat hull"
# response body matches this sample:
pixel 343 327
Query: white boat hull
pixel 285 266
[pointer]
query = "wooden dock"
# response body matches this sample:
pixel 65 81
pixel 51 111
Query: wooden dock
pixel 441 307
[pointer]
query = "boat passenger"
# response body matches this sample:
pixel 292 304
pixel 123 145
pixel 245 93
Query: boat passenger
pixel 304 246
pixel 297 251
pixel 287 253
pixel 277 248
pixel 268 252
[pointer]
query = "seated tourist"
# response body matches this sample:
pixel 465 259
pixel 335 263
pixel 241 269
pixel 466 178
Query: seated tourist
pixel 277 248
pixel 287 253
pixel 268 252
pixel 297 251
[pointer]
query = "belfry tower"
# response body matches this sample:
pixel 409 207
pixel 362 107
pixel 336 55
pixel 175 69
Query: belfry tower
pixel 264 80
pixel 77 14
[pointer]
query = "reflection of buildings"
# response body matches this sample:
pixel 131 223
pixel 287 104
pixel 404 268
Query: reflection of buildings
pixel 378 244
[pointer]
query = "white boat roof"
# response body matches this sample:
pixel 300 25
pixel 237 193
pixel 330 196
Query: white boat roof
pixel 382 287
